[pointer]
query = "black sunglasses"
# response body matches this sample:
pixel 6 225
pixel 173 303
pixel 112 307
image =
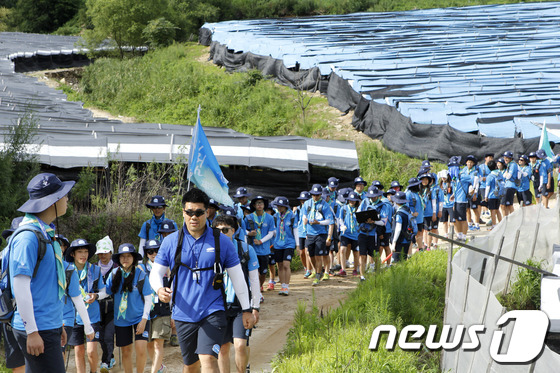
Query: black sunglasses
pixel 225 230
pixel 196 213
pixel 151 251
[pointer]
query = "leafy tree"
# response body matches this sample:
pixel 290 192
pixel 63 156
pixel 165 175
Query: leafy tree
pixel 122 21
pixel 43 16
pixel 159 33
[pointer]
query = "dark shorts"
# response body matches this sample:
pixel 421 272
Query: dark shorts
pixel 14 355
pixel 384 241
pixel 317 245
pixel 525 197
pixel 283 255
pixel 345 241
pixel 68 330
pixel 493 204
pixel 507 199
pixel 367 244
pixel 460 211
pixel 271 260
pixel 50 360
pixel 447 215
pixel 263 264
pixel 429 224
pixel 401 252
pixel 420 226
pixel 536 185
pixel 301 243
pixel 551 189
pixel 78 336
pixel 474 204
pixel 235 328
pixel 201 338
pixel 124 335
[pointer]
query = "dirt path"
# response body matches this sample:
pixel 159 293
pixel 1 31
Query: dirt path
pixel 277 313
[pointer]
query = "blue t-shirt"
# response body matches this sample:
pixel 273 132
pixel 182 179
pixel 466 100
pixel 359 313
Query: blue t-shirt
pixel 155 225
pixel 301 230
pixel 195 298
pixel 366 229
pixel 447 203
pixel 492 182
pixel 461 188
pixel 285 239
pixel 525 172
pixel 135 299
pixel 91 284
pixel 263 224
pixel 72 290
pixel 347 214
pixel 47 307
pixel 512 170
pixel 415 204
pixel 319 211
pixel 252 264
pixel 483 172
pixel 427 203
pixel 402 215
pixel 386 211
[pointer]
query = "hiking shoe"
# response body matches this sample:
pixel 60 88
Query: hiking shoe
pixel 326 276
pixel 315 282
pixel 112 363
pixel 342 273
pixel 307 274
pixel 270 286
pixel 104 368
pixel 284 291
pixel 162 369
pixel 362 278
pixel 174 341
pixel 355 272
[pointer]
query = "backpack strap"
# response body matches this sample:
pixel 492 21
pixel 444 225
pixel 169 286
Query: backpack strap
pixel 41 240
pixel 148 229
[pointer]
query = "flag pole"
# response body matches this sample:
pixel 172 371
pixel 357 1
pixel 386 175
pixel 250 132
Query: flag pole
pixel 193 141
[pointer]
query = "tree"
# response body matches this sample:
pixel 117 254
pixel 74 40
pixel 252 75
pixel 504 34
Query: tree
pixel 122 21
pixel 43 16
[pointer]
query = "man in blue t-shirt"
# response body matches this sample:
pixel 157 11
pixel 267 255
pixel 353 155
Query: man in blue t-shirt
pixel 37 322
pixel 198 306
pixel 150 228
pixel 511 176
pixel 547 184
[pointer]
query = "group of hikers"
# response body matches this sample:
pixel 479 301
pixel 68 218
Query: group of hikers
pixel 200 285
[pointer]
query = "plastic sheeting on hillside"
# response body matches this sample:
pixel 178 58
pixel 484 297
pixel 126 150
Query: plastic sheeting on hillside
pixel 476 69
pixel 69 136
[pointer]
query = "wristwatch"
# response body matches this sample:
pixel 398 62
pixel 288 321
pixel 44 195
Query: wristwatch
pixel 247 310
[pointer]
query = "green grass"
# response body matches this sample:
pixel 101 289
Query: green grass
pixel 525 292
pixel 407 293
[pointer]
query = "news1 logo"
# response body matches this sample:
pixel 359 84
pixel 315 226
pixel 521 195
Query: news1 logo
pixel 525 344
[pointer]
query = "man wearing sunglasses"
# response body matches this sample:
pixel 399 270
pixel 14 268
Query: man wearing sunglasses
pixel 198 308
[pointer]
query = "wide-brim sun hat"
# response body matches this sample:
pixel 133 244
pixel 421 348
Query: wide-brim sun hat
pixel 44 191
pixel 241 192
pixel 541 154
pixel 104 246
pixel 353 196
pixel 80 243
pixel 316 190
pixel 13 226
pixel 414 181
pixel 258 198
pixel 374 192
pixel 399 197
pixel 282 201
pixel 304 196
pixel 151 245
pixel 508 154
pixel 126 248
pixel 333 182
pixel 157 201
pixel 167 226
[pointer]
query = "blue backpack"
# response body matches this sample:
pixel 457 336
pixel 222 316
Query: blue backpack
pixel 500 189
pixel 7 299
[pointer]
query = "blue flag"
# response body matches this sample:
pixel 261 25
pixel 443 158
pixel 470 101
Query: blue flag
pixel 204 170
pixel 544 144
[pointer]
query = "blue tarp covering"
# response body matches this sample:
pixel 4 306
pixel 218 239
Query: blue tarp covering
pixel 490 64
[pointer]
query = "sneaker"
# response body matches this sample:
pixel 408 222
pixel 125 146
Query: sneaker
pixel 362 278
pixel 162 369
pixel 315 282
pixel 270 286
pixel 355 272
pixel 112 363
pixel 476 228
pixel 326 276
pixel 284 291
pixel 342 273
pixel 348 264
pixel 174 341
pixel 306 275
pixel 104 368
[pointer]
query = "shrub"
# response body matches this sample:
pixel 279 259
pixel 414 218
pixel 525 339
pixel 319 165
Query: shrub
pixel 525 293
pixel 159 33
